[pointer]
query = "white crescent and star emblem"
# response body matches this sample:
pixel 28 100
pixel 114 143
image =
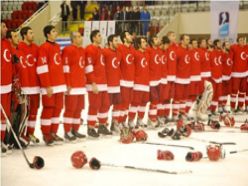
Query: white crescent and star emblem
pixel 243 56
pixel 27 62
pixel 164 59
pixel 215 61
pixel 197 56
pixel 44 60
pixel 21 61
pixel 207 56
pixel 219 60
pixel 187 59
pixel 7 59
pixel 102 60
pixel 156 59
pixel 115 65
pixel 229 62
pixel 143 62
pixel 172 56
pixel 89 60
pixel 127 59
pixel 81 62
pixel 55 59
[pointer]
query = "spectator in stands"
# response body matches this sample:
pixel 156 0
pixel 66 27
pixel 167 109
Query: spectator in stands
pixel 136 18
pixel 145 19
pixel 82 5
pixel 95 15
pixel 74 10
pixel 104 13
pixel 65 12
pixel 118 16
pixel 129 18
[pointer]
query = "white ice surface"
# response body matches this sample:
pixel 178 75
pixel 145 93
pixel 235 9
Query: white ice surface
pixel 58 171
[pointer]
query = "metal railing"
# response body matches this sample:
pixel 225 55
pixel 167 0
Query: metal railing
pixel 140 27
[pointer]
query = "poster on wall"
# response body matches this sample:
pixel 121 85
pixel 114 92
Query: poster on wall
pixel 224 20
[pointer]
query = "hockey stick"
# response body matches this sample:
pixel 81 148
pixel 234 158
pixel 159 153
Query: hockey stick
pixel 228 131
pixel 238 151
pixel 38 161
pixel 169 145
pixel 213 142
pixel 95 164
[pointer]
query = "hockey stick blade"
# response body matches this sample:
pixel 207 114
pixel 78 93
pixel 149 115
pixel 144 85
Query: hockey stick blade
pixel 147 169
pixel 214 142
pixel 169 145
pixel 31 165
pixel 238 151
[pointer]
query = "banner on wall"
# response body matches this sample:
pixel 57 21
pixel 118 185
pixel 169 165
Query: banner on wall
pixel 87 30
pixel 224 20
pixel 106 28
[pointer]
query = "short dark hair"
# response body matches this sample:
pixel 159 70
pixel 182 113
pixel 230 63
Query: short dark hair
pixel 24 31
pixel 150 40
pixel 138 41
pixel 93 34
pixel 165 40
pixel 111 38
pixel 8 34
pixel 123 35
pixel 182 36
pixel 238 38
pixel 192 40
pixel 216 41
pixel 201 39
pixel 47 30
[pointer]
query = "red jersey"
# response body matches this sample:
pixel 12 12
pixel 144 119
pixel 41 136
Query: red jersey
pixel 73 58
pixel 127 65
pixel 227 64
pixel 50 68
pixel 216 65
pixel 172 62
pixel 95 68
pixel 205 63
pixel 164 66
pixel 20 70
pixel 155 55
pixel 240 58
pixel 113 72
pixel 30 57
pixel 6 67
pixel 141 79
pixel 195 70
pixel 183 66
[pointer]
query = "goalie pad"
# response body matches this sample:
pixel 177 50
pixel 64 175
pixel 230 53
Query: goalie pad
pixel 204 102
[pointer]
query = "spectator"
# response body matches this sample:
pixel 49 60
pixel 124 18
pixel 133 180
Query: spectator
pixel 118 17
pixel 129 18
pixel 82 5
pixel 65 12
pixel 95 15
pixel 136 17
pixel 104 14
pixel 74 10
pixel 145 19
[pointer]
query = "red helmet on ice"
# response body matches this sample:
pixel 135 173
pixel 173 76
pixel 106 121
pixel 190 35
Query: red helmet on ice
pixel 78 159
pixel 215 152
pixel 198 127
pixel 244 127
pixel 165 155
pixel 126 136
pixel 228 120
pixel 140 135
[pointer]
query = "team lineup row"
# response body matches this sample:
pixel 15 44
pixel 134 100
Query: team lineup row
pixel 126 76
